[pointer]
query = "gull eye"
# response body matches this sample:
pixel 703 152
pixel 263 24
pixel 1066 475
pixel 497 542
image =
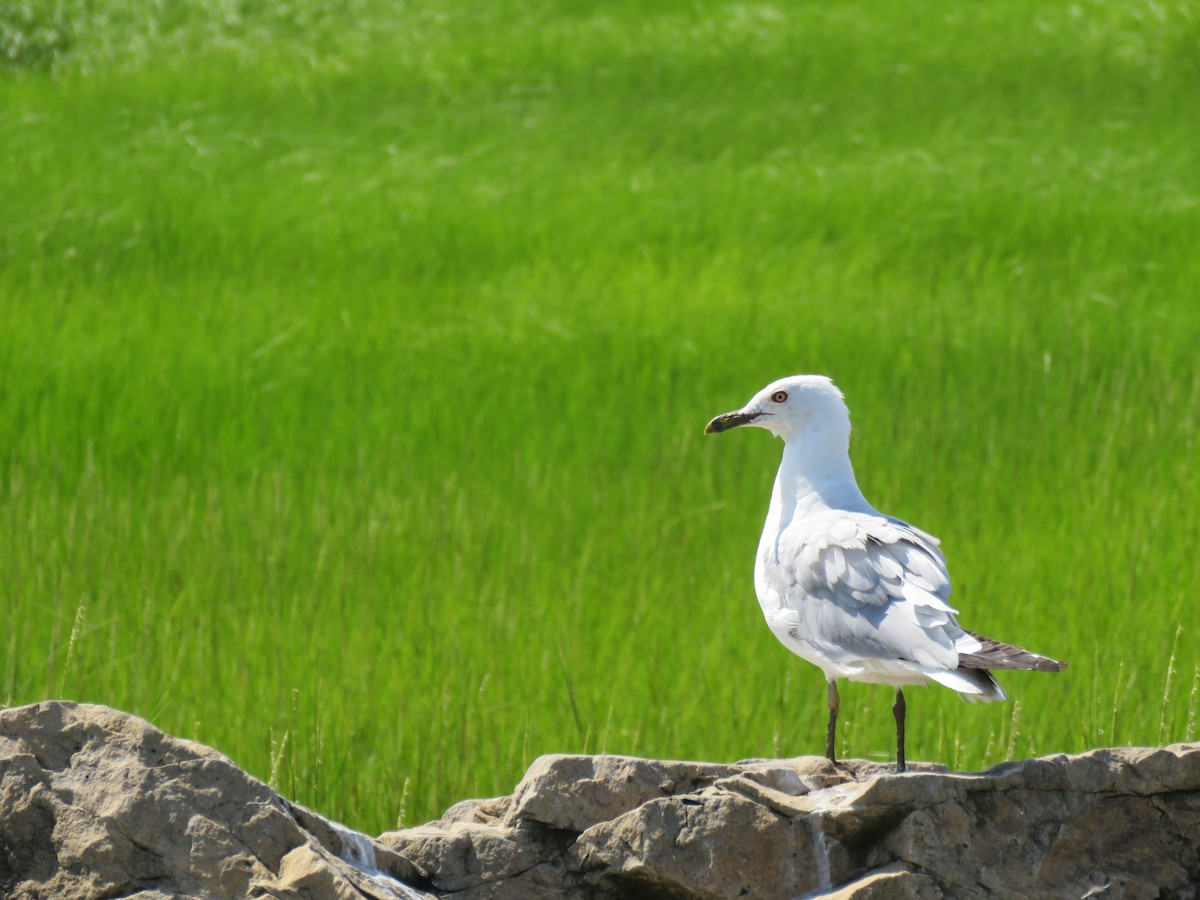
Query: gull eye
pixel 779 396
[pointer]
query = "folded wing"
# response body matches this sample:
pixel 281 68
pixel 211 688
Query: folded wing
pixel 870 590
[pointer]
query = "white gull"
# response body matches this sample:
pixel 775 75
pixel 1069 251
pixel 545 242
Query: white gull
pixel 859 594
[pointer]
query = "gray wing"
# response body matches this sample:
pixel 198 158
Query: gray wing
pixel 866 586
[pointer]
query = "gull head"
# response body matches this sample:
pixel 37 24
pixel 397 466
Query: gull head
pixel 792 408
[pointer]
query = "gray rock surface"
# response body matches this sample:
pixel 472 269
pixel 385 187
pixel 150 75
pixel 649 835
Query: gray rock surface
pixel 96 803
pixel 1110 823
pixel 99 804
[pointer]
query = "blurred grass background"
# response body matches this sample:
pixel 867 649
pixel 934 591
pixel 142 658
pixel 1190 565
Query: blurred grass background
pixel 356 356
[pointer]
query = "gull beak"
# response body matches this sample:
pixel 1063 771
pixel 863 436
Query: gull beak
pixel 730 420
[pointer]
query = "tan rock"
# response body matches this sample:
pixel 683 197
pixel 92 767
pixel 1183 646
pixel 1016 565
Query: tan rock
pixel 97 803
pixel 715 845
pixel 895 881
pixel 575 792
pixel 1126 821
pixel 304 874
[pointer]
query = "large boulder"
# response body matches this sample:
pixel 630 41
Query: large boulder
pixel 95 803
pixel 99 804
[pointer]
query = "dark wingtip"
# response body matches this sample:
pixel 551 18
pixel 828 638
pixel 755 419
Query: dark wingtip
pixel 1046 664
pixel 997 655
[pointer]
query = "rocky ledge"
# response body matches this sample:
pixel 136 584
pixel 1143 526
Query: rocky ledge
pixel 95 803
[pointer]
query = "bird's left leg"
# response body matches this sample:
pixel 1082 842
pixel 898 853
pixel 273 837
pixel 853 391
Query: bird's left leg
pixel 831 730
pixel 898 711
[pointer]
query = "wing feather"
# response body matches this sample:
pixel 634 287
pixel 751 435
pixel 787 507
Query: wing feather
pixel 865 586
pixel 835 564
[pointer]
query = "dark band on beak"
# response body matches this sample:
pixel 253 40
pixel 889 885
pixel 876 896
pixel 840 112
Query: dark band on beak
pixel 730 420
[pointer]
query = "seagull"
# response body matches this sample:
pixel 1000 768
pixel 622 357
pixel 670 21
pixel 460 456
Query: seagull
pixel 857 593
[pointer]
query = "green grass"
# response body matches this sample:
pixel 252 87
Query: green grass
pixel 355 360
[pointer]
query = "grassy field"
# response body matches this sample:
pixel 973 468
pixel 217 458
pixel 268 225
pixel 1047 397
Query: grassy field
pixel 356 356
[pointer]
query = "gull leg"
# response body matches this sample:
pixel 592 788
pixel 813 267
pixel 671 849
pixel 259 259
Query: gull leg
pixel 898 711
pixel 831 731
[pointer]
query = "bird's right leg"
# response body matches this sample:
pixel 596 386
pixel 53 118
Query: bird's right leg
pixel 831 732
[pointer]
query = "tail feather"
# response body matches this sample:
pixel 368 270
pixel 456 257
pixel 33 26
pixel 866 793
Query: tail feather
pixel 995 655
pixel 971 684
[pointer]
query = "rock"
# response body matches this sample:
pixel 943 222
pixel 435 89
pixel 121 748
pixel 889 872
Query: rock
pixel 97 803
pixel 1118 822
pixel 665 848
pixel 573 793
pixel 895 881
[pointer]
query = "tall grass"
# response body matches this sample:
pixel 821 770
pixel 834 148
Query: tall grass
pixel 356 359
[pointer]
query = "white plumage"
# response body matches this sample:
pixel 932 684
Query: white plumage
pixel 862 595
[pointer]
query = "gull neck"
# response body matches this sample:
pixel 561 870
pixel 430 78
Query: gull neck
pixel 816 475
